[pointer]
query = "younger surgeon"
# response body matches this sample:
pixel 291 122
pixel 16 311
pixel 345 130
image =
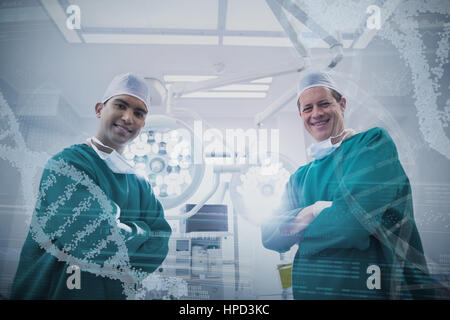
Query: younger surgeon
pixel 139 215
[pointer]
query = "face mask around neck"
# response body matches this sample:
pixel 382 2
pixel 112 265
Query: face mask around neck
pixel 324 148
pixel 113 160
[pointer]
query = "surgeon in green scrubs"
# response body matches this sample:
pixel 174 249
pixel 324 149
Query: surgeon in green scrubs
pixel 78 186
pixel 349 210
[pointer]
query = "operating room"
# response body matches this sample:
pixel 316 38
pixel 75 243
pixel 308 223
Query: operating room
pixel 223 78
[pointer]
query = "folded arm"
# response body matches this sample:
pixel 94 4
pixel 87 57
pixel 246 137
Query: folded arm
pixel 76 216
pixel 367 196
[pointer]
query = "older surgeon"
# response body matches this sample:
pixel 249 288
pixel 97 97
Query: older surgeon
pixel 349 210
pixel 72 214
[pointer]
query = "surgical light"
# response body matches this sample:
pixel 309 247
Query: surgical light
pixel 163 154
pixel 258 191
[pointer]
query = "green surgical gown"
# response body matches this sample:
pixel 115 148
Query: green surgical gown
pixel 69 212
pixel 370 223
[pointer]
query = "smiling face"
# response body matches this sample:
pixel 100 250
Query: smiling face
pixel 121 119
pixel 322 114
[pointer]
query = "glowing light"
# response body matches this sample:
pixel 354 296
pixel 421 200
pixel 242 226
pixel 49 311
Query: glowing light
pixel 143 137
pixel 166 137
pixel 262 189
pixel 267 190
pixel 174 136
pixel 170 148
pixel 270 169
pixel 155 148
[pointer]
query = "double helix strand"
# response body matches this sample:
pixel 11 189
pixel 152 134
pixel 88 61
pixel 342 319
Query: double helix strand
pixel 27 163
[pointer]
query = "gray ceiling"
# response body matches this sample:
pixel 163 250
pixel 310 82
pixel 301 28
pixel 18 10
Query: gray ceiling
pixel 158 38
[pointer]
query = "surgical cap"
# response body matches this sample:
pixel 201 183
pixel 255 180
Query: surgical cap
pixel 129 84
pixel 316 79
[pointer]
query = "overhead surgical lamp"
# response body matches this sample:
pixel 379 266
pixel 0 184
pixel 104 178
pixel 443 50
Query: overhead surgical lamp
pixel 257 191
pixel 164 154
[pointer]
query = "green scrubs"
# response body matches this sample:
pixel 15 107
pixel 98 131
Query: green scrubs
pixel 369 223
pixel 71 214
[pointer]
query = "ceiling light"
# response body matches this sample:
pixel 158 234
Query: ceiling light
pixel 231 94
pixel 150 39
pixel 243 87
pixel 187 78
pixel 263 80
pixel 256 41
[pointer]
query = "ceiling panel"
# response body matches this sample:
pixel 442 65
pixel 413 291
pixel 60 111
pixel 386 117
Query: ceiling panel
pixel 251 15
pixel 150 39
pixel 167 14
pixel 18 14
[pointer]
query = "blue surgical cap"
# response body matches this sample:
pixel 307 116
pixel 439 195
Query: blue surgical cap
pixel 129 84
pixel 316 79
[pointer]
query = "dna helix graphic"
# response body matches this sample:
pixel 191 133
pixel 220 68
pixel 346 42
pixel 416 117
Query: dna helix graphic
pixel 13 149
